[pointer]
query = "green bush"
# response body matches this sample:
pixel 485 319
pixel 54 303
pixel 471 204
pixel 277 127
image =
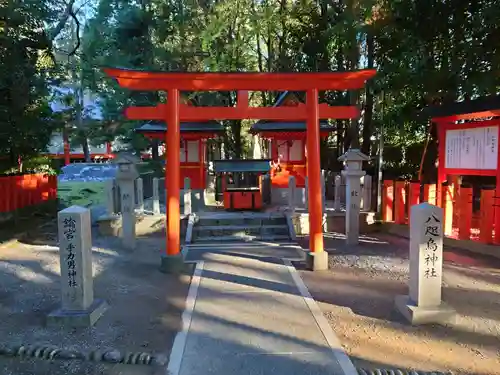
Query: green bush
pixel 38 164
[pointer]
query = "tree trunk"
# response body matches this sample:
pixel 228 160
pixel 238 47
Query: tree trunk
pixel 368 115
pixel 86 150
pixel 353 132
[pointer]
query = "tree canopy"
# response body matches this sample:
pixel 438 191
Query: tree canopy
pixel 425 52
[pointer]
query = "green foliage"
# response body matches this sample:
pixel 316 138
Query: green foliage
pixel 425 52
pixel 26 121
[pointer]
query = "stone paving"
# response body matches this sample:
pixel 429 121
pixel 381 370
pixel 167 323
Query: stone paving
pixel 250 316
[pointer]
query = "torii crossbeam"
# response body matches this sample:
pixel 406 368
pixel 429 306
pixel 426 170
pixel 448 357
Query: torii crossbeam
pixel 173 112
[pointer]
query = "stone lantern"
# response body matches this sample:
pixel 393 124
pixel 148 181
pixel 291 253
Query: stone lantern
pixel 353 160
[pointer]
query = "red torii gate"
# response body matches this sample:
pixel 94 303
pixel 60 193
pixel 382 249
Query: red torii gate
pixel 173 112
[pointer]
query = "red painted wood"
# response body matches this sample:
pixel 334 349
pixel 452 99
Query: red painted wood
pixel 400 202
pixel 447 204
pixel 467 116
pixel 186 81
pixel 190 113
pixel 388 200
pixel 26 190
pixel 289 135
pixel 80 156
pixel 487 219
pixel 187 136
pixel 465 211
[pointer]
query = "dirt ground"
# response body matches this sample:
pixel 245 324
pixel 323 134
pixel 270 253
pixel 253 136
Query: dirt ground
pixel 357 297
pixel 144 313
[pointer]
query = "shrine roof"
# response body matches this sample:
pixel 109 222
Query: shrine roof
pixel 242 165
pixel 186 127
pixel 284 126
pixel 486 106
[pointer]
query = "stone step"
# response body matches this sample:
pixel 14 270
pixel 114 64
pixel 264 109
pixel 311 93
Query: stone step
pixel 251 230
pixel 240 227
pixel 246 245
pixel 243 221
pixel 241 238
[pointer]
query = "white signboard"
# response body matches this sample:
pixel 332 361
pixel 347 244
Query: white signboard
pixel 472 148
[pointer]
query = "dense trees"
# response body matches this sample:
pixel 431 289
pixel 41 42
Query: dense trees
pixel 426 51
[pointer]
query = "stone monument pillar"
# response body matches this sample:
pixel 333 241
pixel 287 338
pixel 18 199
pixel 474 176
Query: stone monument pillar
pixel 187 196
pixel 353 160
pixel 125 177
pixel 423 305
pixel 291 193
pixel 140 196
pixel 78 308
pixel 156 196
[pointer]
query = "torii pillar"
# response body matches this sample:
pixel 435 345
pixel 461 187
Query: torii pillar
pixel 317 257
pixel 173 260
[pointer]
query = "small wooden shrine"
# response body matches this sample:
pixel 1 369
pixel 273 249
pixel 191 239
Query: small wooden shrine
pixel 286 143
pixel 193 147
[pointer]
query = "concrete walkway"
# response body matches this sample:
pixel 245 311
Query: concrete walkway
pixel 248 312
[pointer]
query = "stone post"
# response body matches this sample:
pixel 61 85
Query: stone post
pixel 423 305
pixel 187 196
pixel 338 181
pixel 156 196
pixel 126 175
pixel 291 193
pixel 140 195
pixel 78 307
pixel 353 160
pixel 110 197
pixel 367 193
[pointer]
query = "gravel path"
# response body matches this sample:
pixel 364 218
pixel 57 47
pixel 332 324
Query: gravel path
pixel 357 297
pixel 144 313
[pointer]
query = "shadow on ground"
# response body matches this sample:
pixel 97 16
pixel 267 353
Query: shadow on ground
pixel 144 314
pixel 357 296
pixel 26 220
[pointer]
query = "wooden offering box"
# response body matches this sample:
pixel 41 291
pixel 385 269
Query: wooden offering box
pixel 243 198
pixel 240 182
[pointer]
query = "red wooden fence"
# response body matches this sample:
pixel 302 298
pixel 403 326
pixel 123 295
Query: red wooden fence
pixel 461 221
pixel 27 190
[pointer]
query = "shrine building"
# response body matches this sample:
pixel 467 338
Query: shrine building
pixel 196 151
pixel 285 143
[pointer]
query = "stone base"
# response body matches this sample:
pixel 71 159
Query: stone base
pixel 173 264
pixel 332 222
pixel 423 315
pixel 77 319
pixel 109 225
pixel 317 261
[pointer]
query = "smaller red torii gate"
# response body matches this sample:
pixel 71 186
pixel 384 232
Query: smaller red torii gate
pixel 173 112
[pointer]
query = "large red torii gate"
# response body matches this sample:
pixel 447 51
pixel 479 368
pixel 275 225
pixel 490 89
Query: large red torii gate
pixel 173 112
